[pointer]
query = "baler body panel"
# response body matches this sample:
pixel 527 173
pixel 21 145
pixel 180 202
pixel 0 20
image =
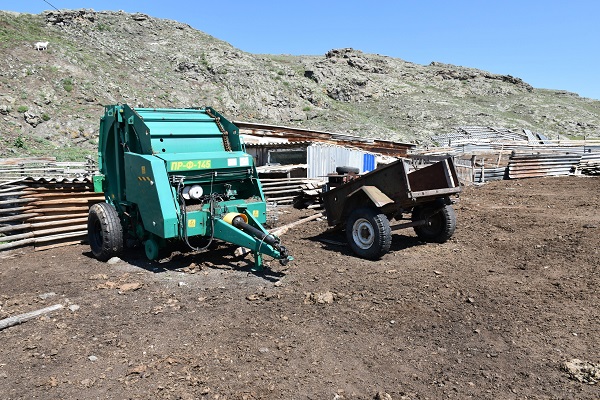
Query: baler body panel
pixel 148 187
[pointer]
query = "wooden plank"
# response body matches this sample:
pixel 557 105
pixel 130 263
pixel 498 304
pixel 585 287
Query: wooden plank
pixel 283 182
pixel 61 194
pixel 63 210
pixel 36 240
pixel 12 228
pixel 18 243
pixel 282 198
pixel 42 233
pixel 12 182
pixel 60 222
pixel 19 193
pixel 15 201
pixel 271 192
pixel 7 189
pixel 39 217
pixel 69 201
pixel 290 187
pixel 60 237
pixel 15 209
pixel 60 244
pixel 283 179
pixel 20 217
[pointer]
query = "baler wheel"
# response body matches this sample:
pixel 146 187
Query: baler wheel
pixel 438 227
pixel 368 233
pixel 152 249
pixel 105 232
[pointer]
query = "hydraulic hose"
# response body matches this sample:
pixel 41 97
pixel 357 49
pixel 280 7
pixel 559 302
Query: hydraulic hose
pixel 239 223
pixel 267 238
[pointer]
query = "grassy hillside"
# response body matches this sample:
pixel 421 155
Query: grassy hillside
pixel 52 100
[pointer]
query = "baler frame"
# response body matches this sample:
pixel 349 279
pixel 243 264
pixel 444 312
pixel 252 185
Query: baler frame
pixel 173 174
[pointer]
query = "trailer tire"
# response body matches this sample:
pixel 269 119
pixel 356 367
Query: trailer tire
pixel 347 170
pixel 368 233
pixel 105 232
pixel 439 227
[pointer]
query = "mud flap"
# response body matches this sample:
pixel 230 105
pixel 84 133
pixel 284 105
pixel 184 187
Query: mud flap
pixel 378 198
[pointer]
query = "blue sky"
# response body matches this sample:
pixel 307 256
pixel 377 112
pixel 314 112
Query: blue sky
pixel 549 44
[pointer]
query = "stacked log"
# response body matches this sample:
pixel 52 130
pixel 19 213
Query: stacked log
pixel 589 164
pixel 310 196
pixel 286 191
pixel 590 168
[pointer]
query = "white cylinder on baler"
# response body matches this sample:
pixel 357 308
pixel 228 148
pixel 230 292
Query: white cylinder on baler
pixel 192 192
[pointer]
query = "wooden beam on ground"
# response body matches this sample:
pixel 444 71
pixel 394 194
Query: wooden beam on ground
pixel 283 229
pixel 61 244
pixel 19 319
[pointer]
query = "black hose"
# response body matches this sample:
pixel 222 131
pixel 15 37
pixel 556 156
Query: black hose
pixel 239 223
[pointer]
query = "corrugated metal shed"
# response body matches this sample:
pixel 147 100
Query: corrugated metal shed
pixel 479 133
pixel 322 159
pixel 385 147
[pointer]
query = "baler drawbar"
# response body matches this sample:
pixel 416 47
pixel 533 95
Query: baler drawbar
pixel 172 175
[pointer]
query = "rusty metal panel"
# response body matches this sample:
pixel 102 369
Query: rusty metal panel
pixel 435 176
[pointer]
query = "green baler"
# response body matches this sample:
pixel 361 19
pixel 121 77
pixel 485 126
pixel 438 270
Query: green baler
pixel 176 175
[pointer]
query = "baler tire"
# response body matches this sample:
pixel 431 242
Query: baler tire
pixel 347 170
pixel 368 233
pixel 439 227
pixel 105 232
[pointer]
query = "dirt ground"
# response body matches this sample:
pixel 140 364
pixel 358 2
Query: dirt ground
pixel 491 314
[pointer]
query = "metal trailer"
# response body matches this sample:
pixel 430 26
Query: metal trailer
pixel 365 205
pixel 176 175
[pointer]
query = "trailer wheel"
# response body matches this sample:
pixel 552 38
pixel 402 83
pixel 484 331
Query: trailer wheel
pixel 368 233
pixel 105 232
pixel 439 227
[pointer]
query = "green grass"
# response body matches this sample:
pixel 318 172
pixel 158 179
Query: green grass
pixel 19 143
pixel 67 84
pixel 21 28
pixel 39 147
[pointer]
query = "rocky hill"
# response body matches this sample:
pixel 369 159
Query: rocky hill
pixel 51 100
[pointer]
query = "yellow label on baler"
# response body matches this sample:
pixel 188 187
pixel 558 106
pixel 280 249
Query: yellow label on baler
pixel 191 223
pixel 143 170
pixel 255 213
pixel 189 165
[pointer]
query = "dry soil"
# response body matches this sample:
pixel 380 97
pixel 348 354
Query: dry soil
pixel 494 313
